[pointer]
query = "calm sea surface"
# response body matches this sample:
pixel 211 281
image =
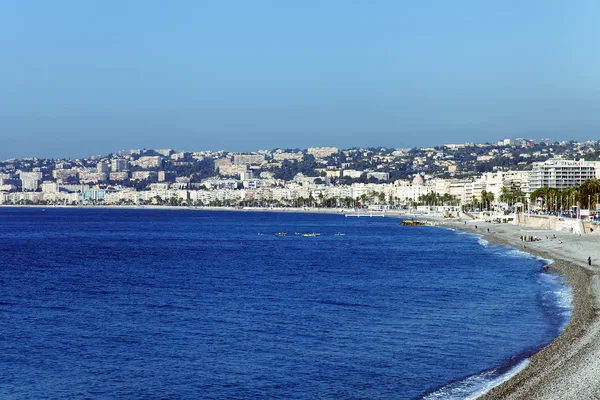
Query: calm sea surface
pixel 196 304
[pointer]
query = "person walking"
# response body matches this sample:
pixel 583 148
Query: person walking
pixel 589 260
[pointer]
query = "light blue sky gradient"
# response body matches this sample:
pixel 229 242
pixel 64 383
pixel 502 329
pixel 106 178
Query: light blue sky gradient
pixel 95 76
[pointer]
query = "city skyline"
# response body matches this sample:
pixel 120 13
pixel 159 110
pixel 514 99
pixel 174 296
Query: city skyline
pixel 249 150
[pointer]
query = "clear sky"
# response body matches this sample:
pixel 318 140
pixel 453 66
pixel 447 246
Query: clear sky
pixel 95 76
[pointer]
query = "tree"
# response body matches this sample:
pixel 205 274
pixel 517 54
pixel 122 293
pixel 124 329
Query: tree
pixel 589 191
pixel 542 193
pixel 486 199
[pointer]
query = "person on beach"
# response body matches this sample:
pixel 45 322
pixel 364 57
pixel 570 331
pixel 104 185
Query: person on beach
pixel 589 260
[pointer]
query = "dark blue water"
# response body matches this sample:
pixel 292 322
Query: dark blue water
pixel 195 304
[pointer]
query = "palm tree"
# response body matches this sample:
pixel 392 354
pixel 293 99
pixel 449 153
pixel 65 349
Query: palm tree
pixel 486 199
pixel 589 192
pixel 571 195
pixel 506 195
pixel 552 194
pixel 543 193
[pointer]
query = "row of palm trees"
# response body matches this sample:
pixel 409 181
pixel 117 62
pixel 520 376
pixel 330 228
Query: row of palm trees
pixel 435 199
pixel 483 202
pixel 587 195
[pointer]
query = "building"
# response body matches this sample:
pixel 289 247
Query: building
pixel 380 176
pixel 351 173
pixel 91 175
pixel 282 156
pixel 102 167
pixel 246 175
pixel 248 159
pixel 118 176
pixel 128 153
pixel 560 174
pixel 167 176
pixel 321 152
pixel 149 161
pixel 143 175
pixel 30 181
pixel 164 152
pixel 119 165
pixel 222 163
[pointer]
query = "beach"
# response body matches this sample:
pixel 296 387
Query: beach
pixel 568 367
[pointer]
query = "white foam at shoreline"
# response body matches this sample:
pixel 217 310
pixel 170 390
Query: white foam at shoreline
pixel 476 385
pixel 479 384
pixel 562 295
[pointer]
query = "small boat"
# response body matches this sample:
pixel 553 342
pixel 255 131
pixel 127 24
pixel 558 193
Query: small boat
pixel 281 234
pixel 340 234
pixel 259 234
pixel 310 234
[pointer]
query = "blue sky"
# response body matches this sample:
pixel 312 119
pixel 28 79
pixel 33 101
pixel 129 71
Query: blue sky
pixel 91 77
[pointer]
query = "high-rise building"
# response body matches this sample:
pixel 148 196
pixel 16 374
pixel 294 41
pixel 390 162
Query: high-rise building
pixel 560 174
pixel 30 181
pixel 102 167
pixel 119 165
pixel 246 175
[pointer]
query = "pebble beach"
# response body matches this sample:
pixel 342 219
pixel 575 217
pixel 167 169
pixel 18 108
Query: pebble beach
pixel 569 367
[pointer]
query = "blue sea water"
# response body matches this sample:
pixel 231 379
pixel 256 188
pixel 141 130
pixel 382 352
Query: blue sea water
pixel 98 303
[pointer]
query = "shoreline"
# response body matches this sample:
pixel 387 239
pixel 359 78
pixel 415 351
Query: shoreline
pixel 569 365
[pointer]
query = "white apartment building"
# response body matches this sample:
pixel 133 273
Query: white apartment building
pixel 281 156
pixel 246 175
pixel 149 161
pixel 321 152
pixel 102 167
pixel 560 174
pixel 351 173
pixel 248 159
pixel 119 165
pixel 118 176
pixel 61 174
pixel 30 180
pixel 142 175
pixel 49 187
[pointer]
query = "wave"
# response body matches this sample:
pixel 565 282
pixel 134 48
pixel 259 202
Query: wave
pixel 514 253
pixel 557 297
pixel 483 242
pixel 477 385
pixel 546 261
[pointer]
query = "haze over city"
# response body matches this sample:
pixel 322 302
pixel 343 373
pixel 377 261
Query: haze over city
pixel 83 78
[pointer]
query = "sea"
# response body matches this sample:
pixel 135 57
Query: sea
pixel 190 304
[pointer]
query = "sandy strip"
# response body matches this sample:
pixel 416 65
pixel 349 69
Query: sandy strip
pixel 569 367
